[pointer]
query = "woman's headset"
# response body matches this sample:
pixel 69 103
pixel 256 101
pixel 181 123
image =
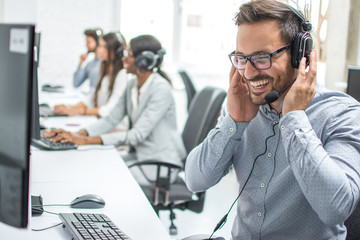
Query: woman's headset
pixel 302 44
pixel 119 53
pixel 148 60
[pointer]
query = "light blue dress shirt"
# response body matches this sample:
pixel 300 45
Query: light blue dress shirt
pixel 305 181
pixel 90 71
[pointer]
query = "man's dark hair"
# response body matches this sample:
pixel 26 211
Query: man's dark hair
pixel 94 33
pixel 262 10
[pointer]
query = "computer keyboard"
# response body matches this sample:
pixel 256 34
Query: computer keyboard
pixel 46 111
pixel 86 226
pixel 46 144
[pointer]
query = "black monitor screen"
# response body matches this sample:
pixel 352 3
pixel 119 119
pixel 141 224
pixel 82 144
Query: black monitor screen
pixel 353 85
pixel 16 74
pixel 35 122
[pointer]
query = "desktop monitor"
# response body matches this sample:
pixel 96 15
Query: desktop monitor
pixel 16 75
pixel 35 117
pixel 37 48
pixel 353 85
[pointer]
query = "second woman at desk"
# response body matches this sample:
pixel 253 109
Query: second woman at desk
pixel 149 104
pixel 112 81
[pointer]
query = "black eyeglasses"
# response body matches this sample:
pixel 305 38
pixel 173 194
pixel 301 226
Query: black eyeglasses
pixel 259 61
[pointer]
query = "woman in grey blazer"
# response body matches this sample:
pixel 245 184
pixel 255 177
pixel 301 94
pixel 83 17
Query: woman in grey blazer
pixel 148 103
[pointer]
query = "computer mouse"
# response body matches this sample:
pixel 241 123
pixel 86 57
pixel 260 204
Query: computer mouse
pixel 88 201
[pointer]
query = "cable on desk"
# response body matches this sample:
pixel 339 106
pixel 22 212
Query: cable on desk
pixel 34 207
pixel 42 229
pixel 52 205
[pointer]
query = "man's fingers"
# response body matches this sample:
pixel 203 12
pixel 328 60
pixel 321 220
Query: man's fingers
pixel 312 67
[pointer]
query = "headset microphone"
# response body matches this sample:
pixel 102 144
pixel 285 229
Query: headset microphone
pixel 274 95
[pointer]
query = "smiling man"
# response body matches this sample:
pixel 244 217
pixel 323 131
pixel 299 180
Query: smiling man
pixel 295 154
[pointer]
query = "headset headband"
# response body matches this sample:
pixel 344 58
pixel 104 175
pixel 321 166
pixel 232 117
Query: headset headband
pixel 306 25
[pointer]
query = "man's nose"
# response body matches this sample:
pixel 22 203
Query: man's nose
pixel 250 71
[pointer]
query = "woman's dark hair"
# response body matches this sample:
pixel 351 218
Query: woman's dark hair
pixel 257 11
pixel 149 43
pixel 115 44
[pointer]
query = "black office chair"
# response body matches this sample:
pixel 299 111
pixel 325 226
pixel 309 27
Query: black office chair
pixel 189 86
pixel 353 225
pixel 166 195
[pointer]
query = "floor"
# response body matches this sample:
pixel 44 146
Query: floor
pixel 217 203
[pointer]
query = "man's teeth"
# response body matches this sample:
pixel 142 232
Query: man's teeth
pixel 258 84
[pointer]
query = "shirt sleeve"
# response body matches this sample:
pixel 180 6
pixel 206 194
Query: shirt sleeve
pixel 210 161
pixel 89 100
pixel 80 75
pixel 118 90
pixel 108 123
pixel 327 172
pixel 155 109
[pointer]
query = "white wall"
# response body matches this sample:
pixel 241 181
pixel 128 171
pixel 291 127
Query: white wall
pixel 20 11
pixel 1 10
pixel 62 23
pixel 336 59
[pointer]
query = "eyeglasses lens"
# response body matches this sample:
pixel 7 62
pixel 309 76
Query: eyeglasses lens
pixel 258 61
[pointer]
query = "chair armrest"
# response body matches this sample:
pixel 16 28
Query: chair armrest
pixel 162 183
pixel 157 163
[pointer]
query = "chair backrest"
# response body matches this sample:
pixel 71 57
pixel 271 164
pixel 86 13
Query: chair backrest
pixel 203 113
pixel 353 85
pixel 189 86
pixel 353 225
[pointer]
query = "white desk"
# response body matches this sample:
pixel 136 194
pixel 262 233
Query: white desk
pixel 61 176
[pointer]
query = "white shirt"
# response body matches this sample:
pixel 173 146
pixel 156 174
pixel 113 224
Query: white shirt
pixel 105 101
pixel 137 93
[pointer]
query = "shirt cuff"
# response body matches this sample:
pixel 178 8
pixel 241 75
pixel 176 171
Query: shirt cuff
pixel 293 121
pixel 231 129
pixel 118 138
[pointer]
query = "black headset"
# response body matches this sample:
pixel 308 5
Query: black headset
pixel 302 44
pixel 119 53
pixel 98 33
pixel 148 59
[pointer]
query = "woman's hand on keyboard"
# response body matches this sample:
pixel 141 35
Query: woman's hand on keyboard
pixel 60 135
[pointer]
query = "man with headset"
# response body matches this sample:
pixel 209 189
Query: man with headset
pixel 91 69
pixel 293 144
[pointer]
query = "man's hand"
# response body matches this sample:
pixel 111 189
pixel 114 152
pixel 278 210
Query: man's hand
pixel 304 88
pixel 240 108
pixel 82 58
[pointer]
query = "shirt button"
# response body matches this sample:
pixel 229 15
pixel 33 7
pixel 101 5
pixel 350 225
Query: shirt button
pixel 291 159
pixel 217 153
pixel 269 154
pixel 231 129
pixel 259 214
pixel 262 185
pixel 282 127
pixel 275 122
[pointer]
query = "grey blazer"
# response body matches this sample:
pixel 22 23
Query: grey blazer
pixel 153 133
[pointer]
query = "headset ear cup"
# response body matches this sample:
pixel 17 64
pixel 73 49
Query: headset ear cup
pixel 295 54
pixel 146 60
pixel 302 47
pixel 119 52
